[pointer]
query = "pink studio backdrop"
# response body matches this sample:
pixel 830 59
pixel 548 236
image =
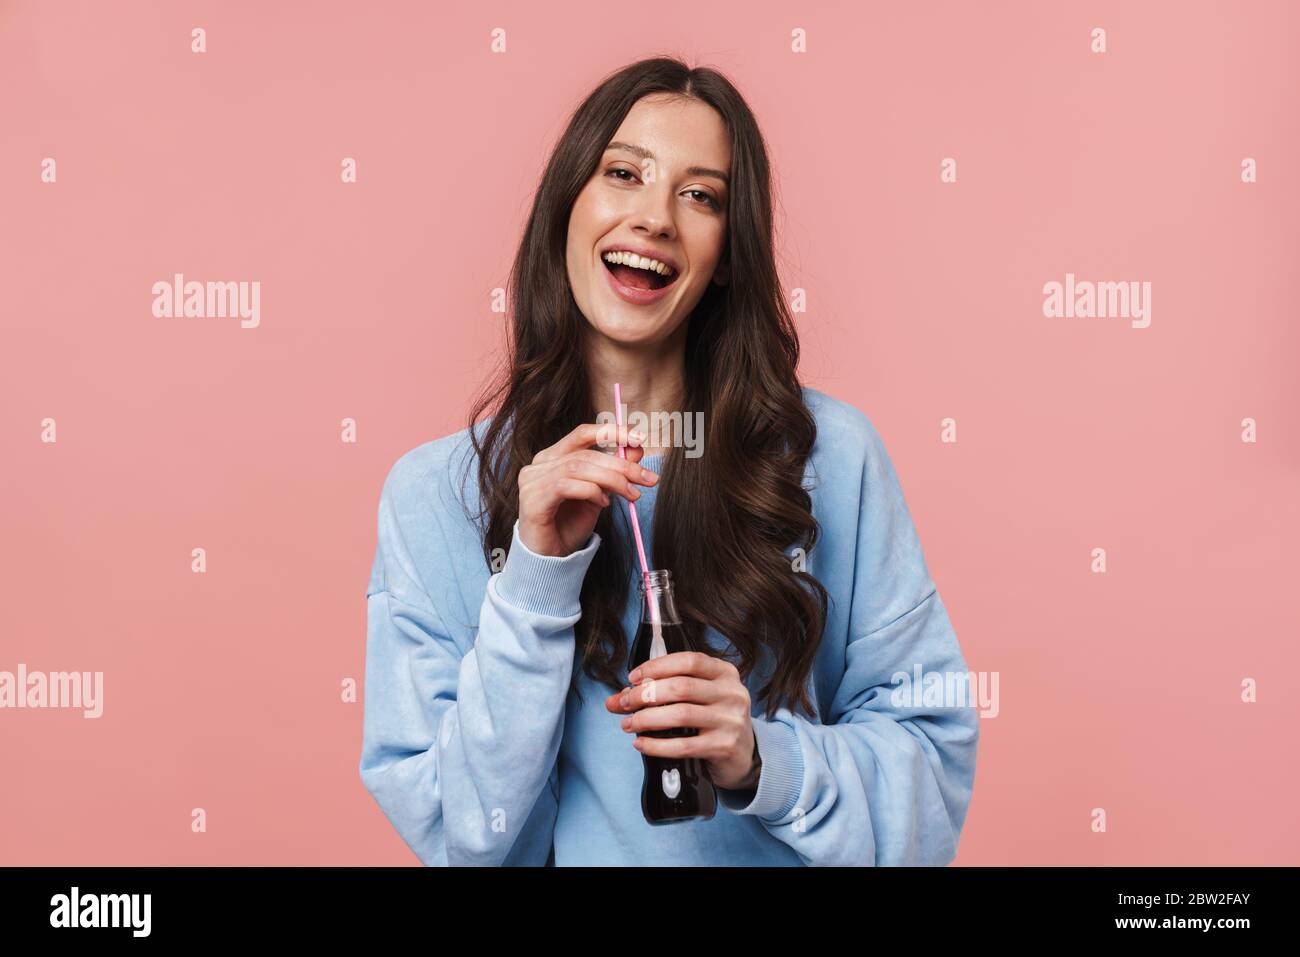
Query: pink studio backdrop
pixel 222 690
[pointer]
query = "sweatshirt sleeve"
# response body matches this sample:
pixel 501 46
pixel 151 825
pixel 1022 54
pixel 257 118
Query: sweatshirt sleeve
pixel 887 781
pixel 461 735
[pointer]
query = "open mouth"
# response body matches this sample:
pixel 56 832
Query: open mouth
pixel 637 272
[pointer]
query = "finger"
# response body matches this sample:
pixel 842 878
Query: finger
pixel 681 663
pixel 541 496
pixel 577 490
pixel 631 453
pixel 703 745
pixel 612 479
pixel 679 714
pixel 658 691
pixel 587 435
pixel 632 469
pixel 610 437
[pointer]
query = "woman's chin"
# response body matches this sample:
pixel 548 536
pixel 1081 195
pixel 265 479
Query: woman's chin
pixel 625 335
pixel 634 326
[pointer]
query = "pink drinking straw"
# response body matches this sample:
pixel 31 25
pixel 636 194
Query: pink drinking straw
pixel 631 507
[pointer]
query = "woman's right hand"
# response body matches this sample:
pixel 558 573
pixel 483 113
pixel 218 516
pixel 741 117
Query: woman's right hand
pixel 562 492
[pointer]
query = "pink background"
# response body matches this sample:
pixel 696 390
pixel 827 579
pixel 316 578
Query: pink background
pixel 222 690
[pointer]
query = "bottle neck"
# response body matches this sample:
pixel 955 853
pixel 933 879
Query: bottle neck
pixel 660 595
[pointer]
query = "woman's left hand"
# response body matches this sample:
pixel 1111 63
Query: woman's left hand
pixel 688 689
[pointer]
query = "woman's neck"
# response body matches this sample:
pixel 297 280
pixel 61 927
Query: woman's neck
pixel 648 384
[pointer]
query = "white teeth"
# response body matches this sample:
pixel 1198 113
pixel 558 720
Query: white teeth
pixel 638 262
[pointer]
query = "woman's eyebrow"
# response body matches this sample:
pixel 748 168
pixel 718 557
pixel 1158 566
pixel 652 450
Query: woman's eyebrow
pixel 643 153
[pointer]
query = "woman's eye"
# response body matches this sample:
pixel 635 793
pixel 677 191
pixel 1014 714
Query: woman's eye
pixel 621 170
pixel 709 200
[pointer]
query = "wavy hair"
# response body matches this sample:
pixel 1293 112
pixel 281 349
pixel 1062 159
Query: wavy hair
pixel 723 520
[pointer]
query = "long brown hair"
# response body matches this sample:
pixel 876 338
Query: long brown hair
pixel 722 520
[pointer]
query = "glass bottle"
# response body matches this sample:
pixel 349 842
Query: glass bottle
pixel 674 789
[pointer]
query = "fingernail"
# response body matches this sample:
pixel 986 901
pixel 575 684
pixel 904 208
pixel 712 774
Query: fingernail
pixel 647 475
pixel 636 673
pixel 622 700
pixel 636 436
pixel 627 723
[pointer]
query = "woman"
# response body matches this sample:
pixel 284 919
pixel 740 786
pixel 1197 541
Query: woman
pixel 500 723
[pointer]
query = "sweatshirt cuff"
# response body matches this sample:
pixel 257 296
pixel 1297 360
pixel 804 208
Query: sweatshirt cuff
pixel 779 781
pixel 545 584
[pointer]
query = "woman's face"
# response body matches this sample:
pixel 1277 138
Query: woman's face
pixel 659 190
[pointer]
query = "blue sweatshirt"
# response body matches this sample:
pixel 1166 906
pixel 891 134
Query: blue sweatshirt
pixel 477 753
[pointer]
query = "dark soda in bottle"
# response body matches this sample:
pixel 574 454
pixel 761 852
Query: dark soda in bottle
pixel 674 789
